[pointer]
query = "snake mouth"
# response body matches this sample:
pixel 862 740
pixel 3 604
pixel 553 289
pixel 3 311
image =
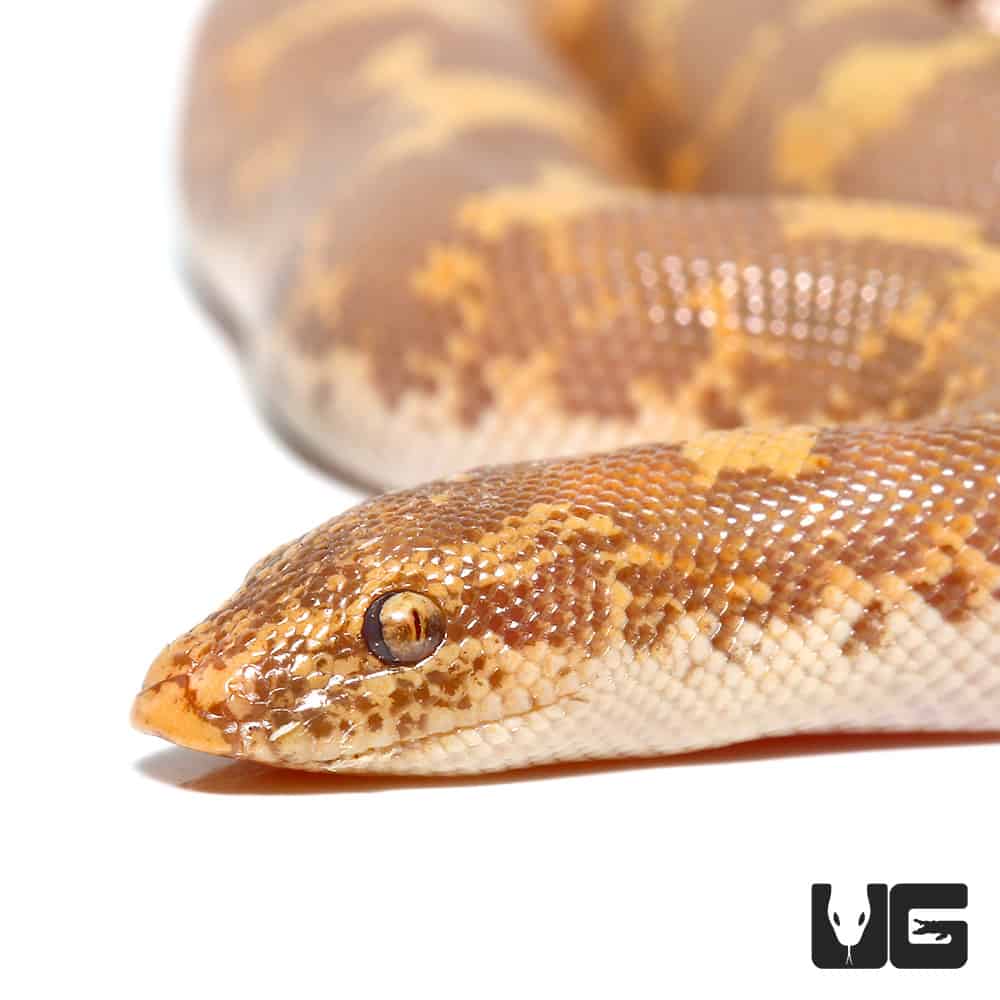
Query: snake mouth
pixel 183 703
pixel 376 756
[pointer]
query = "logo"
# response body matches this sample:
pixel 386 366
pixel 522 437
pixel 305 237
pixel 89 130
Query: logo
pixel 913 925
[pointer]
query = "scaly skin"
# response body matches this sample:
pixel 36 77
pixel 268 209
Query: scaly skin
pixel 439 256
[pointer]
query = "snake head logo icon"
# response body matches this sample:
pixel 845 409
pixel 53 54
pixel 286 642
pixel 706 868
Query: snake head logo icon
pixel 849 913
pixel 850 925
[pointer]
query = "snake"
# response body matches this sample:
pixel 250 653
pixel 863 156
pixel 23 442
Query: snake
pixel 707 298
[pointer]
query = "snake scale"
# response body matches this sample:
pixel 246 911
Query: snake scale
pixel 739 263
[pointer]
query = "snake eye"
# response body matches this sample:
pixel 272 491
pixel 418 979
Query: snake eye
pixel 403 627
pixel 836 919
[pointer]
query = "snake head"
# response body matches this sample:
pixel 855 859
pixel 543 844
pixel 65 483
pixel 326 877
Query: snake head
pixel 454 626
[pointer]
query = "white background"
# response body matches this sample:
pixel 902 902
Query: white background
pixel 140 485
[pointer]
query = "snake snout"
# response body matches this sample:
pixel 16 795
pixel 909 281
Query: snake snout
pixel 182 701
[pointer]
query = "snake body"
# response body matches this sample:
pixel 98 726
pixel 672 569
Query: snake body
pixel 461 233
